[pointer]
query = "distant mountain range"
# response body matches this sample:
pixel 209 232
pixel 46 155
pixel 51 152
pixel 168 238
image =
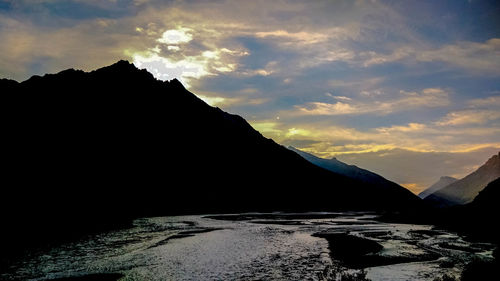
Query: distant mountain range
pixel 442 182
pixel 95 148
pixel 354 172
pixel 465 190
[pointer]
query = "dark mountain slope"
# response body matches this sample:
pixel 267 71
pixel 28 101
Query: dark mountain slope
pixel 487 200
pixel 98 148
pixel 441 183
pixel 376 181
pixel 478 219
pixel 465 190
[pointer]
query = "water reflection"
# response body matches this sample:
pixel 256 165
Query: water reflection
pixel 252 247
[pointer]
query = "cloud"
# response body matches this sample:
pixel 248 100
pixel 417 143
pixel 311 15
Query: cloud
pixel 472 56
pixel 332 32
pixel 165 69
pixel 429 97
pixel 477 112
pixel 341 98
pixel 174 58
pixel 411 127
pixel 29 49
pixel 481 58
pixel 467 117
pixel 301 37
pixel 91 43
pixel 340 54
pixel 373 58
pixel 268 69
pixel 321 108
pixel 327 140
pixel 357 84
pixel 213 101
pixel 176 36
pixel 220 25
pixel 227 102
pixel 489 101
pixel 364 87
pixel 267 127
pixel 297 131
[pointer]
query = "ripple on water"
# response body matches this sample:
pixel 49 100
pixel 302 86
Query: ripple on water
pixel 249 247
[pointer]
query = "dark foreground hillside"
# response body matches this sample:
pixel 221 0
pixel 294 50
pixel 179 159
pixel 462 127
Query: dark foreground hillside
pixel 91 150
pixel 479 218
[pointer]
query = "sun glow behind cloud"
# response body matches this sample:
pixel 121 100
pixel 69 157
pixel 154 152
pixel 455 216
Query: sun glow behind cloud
pixel 176 36
pixel 174 57
pixel 166 69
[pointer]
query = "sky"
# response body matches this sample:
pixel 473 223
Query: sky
pixel 408 89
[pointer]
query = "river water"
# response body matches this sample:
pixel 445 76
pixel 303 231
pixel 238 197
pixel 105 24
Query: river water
pixel 250 247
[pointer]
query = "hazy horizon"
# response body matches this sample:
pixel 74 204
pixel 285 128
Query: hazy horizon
pixel 408 89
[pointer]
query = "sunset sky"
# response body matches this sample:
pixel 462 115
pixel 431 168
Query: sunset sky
pixel 408 89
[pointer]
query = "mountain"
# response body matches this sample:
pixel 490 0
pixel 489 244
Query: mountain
pixel 487 199
pixel 480 217
pixel 84 150
pixel 476 219
pixel 442 182
pixel 351 171
pixel 465 190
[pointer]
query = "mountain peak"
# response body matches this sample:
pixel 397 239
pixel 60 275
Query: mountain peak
pixel 176 83
pixel 120 66
pixel 465 190
pixel 494 158
pixel 440 184
pixel 123 64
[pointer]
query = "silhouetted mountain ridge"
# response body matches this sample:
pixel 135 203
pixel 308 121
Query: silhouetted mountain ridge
pixel 115 143
pixel 378 182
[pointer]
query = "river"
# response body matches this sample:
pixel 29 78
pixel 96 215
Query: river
pixel 251 247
